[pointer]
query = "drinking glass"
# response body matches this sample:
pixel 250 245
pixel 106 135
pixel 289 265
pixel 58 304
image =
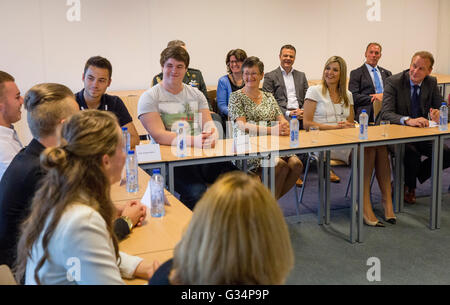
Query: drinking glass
pixel 385 126
pixel 314 133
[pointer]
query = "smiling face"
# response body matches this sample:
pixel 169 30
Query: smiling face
pixel 287 59
pixel 419 69
pixel 10 103
pixel 252 77
pixel 373 55
pixel 331 74
pixel 174 71
pixel 96 81
pixel 235 65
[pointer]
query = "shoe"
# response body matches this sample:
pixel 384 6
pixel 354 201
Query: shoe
pixel 299 182
pixel 410 195
pixel 392 220
pixel 373 223
pixel 334 178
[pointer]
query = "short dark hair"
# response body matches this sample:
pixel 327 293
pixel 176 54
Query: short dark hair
pixel 99 62
pixel 177 53
pixel 289 47
pixel 4 77
pixel 252 61
pixel 176 43
pixel 238 53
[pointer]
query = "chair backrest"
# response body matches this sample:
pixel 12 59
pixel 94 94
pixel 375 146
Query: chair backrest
pixel 6 276
pixel 376 108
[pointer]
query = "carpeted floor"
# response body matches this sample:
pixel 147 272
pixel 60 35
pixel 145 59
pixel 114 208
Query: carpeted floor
pixel 408 252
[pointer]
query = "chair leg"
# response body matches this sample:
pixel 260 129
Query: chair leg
pixel 308 163
pixel 348 184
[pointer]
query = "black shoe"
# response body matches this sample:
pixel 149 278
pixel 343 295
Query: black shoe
pixel 392 221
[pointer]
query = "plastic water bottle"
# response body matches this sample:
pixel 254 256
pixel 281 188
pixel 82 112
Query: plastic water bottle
pixel 181 140
pixel 443 117
pixel 132 172
pixel 294 127
pixel 363 125
pixel 157 194
pixel 126 139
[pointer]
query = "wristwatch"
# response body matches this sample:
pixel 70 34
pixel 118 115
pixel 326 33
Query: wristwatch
pixel 128 220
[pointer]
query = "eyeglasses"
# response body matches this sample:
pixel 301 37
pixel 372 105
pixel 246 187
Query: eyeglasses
pixel 234 62
pixel 253 74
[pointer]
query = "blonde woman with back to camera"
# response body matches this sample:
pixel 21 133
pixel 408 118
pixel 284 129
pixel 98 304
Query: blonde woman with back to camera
pixel 72 212
pixel 237 236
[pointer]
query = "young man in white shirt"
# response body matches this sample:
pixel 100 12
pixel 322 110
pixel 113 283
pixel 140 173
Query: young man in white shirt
pixel 10 104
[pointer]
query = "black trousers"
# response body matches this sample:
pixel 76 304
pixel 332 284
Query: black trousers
pixel 415 168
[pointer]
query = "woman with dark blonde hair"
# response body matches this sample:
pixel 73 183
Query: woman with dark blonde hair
pixel 330 106
pixel 237 236
pixel 71 223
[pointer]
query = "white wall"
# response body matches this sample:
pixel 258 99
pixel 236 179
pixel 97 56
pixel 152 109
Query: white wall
pixel 41 45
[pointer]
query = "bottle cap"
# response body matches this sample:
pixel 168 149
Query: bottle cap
pixel 124 128
pixel 444 103
pixel 364 110
pixel 156 171
pixel 131 152
pixel 294 116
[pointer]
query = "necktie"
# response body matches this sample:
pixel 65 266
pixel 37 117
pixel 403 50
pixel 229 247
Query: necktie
pixel 378 88
pixel 415 103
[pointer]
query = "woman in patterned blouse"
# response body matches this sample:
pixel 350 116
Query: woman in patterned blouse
pixel 250 105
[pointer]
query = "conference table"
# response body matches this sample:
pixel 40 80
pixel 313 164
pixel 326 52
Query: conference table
pixel 157 237
pixel 398 135
pixel 269 147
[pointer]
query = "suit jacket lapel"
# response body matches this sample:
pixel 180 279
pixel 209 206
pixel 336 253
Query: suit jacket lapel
pixel 297 84
pixel 383 75
pixel 281 80
pixel 424 92
pixel 407 91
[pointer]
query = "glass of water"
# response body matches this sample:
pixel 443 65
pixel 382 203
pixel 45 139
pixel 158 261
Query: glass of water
pixel 385 128
pixel 314 133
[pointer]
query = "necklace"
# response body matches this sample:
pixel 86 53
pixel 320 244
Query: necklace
pixel 235 82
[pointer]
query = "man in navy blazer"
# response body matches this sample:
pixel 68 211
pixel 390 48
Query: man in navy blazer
pixel 287 85
pixel 412 98
pixel 363 82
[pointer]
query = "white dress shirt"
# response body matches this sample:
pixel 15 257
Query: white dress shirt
pixel 292 102
pixel 9 146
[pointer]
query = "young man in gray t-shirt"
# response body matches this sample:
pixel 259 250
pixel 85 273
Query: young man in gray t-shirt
pixel 171 101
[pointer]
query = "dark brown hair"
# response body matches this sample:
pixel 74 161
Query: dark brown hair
pixel 177 53
pixel 289 47
pixel 252 61
pixel 99 62
pixel 4 77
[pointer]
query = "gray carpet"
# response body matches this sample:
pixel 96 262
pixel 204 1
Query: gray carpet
pixel 409 252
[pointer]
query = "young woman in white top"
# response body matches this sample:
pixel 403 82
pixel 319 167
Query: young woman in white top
pixel 330 106
pixel 68 238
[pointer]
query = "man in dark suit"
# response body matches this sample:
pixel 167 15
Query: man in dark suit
pixel 287 85
pixel 412 98
pixel 367 82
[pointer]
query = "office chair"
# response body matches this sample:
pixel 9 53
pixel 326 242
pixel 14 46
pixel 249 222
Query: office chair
pixel 6 276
